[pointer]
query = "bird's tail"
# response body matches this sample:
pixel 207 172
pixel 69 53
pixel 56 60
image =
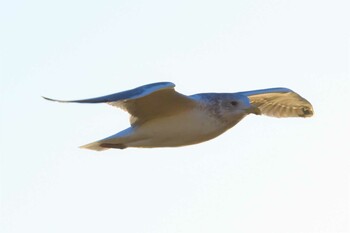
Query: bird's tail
pixel 102 145
pixel 94 146
pixel 116 141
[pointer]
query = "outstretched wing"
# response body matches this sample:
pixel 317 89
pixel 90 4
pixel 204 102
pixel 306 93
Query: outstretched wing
pixel 280 102
pixel 144 102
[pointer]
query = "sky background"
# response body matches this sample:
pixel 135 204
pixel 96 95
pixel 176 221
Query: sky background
pixel 264 175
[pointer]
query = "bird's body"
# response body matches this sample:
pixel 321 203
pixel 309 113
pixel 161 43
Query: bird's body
pixel 162 117
pixel 183 128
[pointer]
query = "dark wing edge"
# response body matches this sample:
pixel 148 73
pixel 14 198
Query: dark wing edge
pixel 280 102
pixel 124 95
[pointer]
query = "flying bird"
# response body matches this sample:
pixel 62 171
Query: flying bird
pixel 163 117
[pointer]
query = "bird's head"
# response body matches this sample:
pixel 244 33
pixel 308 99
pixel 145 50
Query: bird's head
pixel 236 106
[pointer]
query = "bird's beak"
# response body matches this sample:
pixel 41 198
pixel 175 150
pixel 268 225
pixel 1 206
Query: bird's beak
pixel 254 109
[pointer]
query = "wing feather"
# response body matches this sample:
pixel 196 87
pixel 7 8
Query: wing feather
pixel 280 102
pixel 124 95
pixel 145 102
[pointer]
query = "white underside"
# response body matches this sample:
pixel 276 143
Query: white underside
pixel 186 128
pixel 178 130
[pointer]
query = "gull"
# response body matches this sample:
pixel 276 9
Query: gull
pixel 163 117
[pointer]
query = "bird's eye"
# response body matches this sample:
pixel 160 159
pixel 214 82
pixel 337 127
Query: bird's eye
pixel 234 103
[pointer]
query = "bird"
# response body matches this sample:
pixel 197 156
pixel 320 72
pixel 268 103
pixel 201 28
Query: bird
pixel 162 117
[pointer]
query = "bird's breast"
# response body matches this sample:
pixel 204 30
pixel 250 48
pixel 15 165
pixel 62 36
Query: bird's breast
pixel 184 128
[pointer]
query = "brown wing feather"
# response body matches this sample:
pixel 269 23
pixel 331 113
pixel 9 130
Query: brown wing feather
pixel 288 104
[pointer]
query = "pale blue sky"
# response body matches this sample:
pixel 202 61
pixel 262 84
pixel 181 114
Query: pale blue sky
pixel 264 175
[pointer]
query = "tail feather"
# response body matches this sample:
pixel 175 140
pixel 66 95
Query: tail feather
pixel 94 146
pixel 101 146
pixel 116 141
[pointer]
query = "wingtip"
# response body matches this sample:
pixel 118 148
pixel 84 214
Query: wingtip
pixel 46 98
pixel 54 100
pixel 307 112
